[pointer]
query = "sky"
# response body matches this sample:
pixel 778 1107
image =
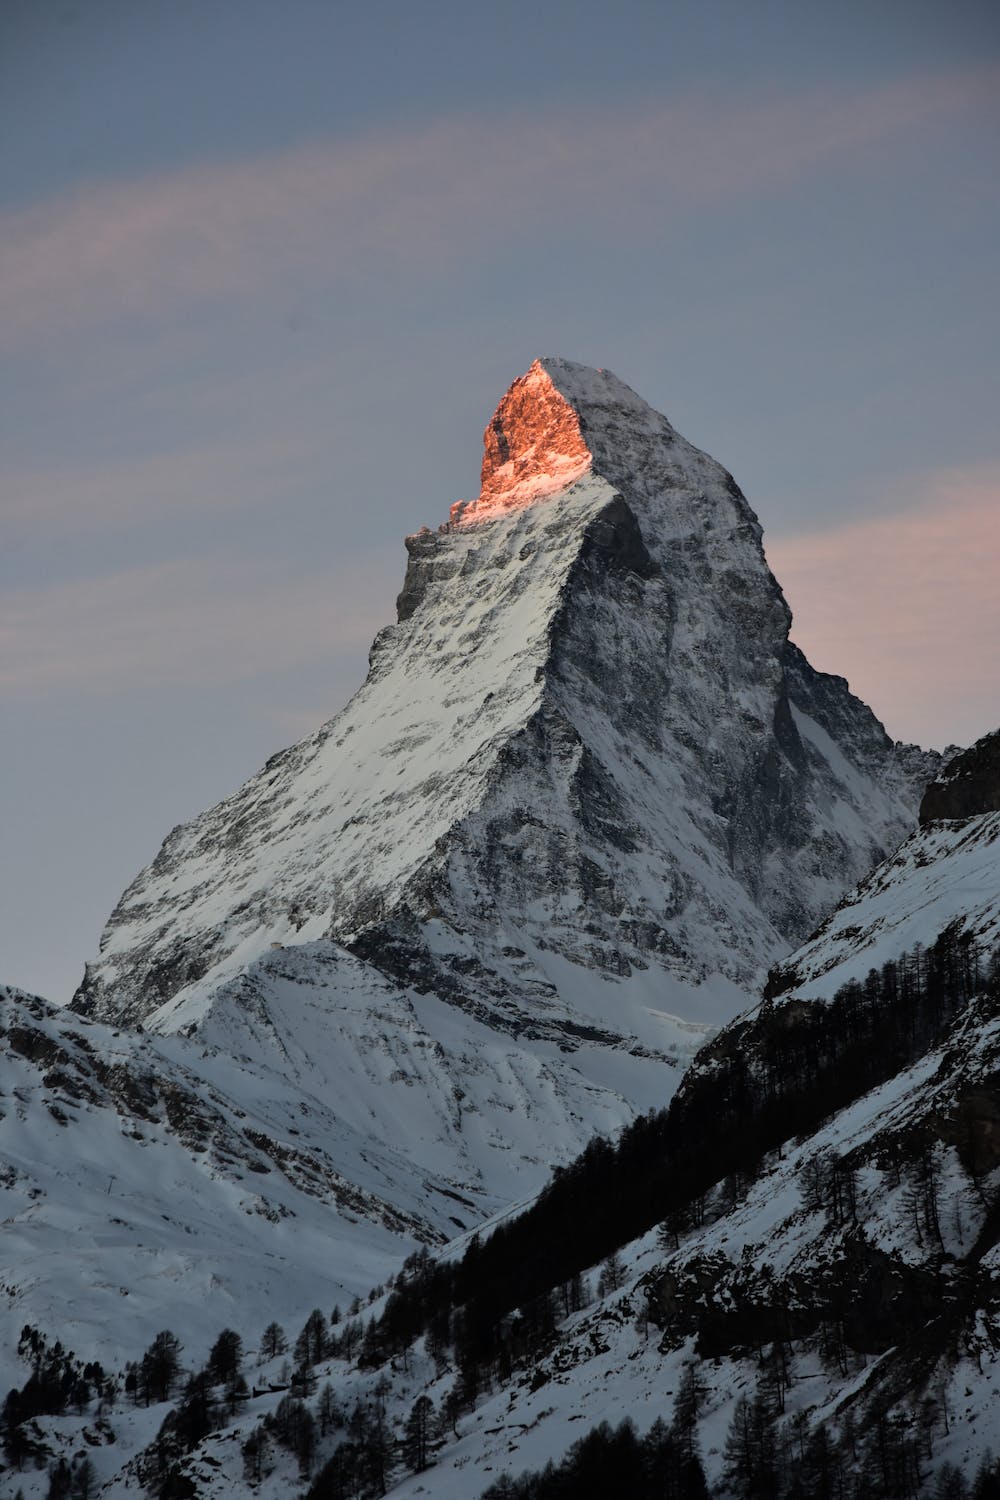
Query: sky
pixel 266 269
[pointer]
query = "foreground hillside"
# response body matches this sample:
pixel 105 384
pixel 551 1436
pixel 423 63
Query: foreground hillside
pixel 793 1269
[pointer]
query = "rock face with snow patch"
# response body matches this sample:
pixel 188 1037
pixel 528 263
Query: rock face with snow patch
pixel 589 789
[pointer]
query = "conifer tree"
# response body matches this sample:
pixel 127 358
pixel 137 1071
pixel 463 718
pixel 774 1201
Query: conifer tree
pixel 418 1436
pixel 311 1344
pixel 84 1484
pixel 273 1341
pixel 226 1357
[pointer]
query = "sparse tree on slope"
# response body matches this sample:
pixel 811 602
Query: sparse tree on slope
pixel 273 1341
pixel 311 1344
pixel 226 1357
pixel 418 1435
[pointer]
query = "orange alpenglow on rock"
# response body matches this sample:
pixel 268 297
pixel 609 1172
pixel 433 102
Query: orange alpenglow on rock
pixel 532 448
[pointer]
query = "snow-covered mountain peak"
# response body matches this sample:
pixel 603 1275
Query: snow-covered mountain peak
pixel 588 793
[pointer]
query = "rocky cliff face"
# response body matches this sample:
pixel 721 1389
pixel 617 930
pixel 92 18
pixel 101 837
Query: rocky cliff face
pixel 968 785
pixel 588 789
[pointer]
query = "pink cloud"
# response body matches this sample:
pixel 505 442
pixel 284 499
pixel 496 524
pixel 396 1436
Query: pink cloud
pixel 238 473
pixel 907 607
pixel 185 624
pixel 427 196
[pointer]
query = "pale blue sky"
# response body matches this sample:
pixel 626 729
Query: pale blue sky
pixel 265 269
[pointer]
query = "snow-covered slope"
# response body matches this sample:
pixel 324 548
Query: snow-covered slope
pixel 587 784
pixel 769 1275
pixel 946 874
pixel 488 1113
pixel 149 1183
pixel 319 1124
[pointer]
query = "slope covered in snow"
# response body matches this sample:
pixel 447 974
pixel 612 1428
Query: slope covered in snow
pixel 842 1284
pixel 946 874
pixel 150 1183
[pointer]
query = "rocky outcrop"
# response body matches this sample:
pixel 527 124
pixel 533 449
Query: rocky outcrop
pixel 533 447
pixel 968 785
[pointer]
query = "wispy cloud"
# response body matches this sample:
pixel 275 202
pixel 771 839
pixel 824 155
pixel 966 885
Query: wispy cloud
pixel 907 606
pixel 427 196
pixel 70 499
pixel 184 624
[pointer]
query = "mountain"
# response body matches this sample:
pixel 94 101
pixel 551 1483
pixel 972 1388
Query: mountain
pixel 796 1261
pixel 588 792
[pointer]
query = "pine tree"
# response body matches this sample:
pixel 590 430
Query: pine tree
pixel 687 1409
pixel 375 1453
pixel 612 1275
pixel 16 1443
pixel 418 1436
pixel 84 1485
pixel 160 1367
pixel 751 1455
pixel 987 1482
pixel 60 1480
pixel 311 1344
pixel 951 1484
pixel 195 1417
pixel 226 1357
pixel 256 1451
pixel 327 1413
pixel 273 1342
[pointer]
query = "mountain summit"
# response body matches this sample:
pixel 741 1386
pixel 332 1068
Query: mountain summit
pixel 533 447
pixel 589 788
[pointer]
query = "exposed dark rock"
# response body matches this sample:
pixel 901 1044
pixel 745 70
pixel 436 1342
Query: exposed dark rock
pixel 969 784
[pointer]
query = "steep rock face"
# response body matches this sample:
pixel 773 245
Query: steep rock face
pixel 533 447
pixel 968 785
pixel 588 788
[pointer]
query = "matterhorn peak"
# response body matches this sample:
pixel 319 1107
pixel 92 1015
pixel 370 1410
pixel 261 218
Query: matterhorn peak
pixel 549 426
pixel 585 759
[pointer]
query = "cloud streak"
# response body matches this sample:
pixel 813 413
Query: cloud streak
pixel 907 606
pixel 72 499
pixel 422 197
pixel 181 624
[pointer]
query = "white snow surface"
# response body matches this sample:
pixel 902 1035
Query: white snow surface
pixel 150 1183
pixel 947 872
